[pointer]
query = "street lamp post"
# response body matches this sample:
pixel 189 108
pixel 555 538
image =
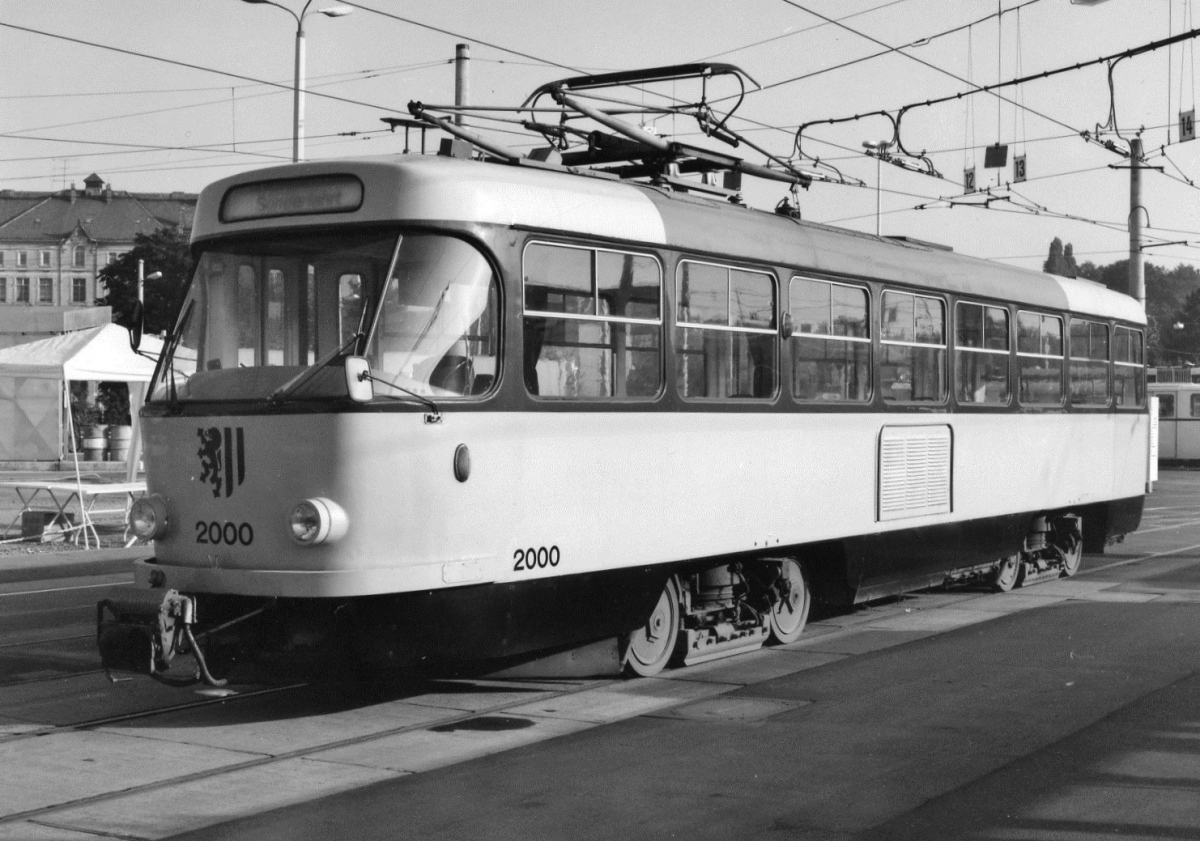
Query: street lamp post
pixel 298 82
pixel 143 277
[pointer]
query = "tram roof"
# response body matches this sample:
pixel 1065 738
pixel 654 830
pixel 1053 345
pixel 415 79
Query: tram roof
pixel 421 188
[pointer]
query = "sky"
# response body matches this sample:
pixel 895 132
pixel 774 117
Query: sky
pixel 169 95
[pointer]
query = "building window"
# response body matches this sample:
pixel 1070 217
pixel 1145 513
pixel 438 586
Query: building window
pixel 45 290
pixel 44 259
pixel 1089 363
pixel 1 258
pixel 3 290
pixel 725 335
pixel 79 290
pixel 1040 356
pixel 593 323
pixel 1129 386
pixel 22 291
pixel 913 342
pixel 79 260
pixel 831 342
pixel 22 259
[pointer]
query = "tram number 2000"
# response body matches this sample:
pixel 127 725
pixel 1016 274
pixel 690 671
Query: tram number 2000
pixel 528 560
pixel 230 534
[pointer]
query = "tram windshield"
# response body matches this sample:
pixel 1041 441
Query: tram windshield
pixel 277 315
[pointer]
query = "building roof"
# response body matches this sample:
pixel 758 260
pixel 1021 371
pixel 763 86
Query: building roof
pixel 101 213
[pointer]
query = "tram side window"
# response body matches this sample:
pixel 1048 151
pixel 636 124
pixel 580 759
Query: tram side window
pixel 725 334
pixel 593 323
pixel 913 343
pixel 1129 374
pixel 1166 404
pixel 981 346
pixel 1040 358
pixel 1194 406
pixel 831 343
pixel 1089 363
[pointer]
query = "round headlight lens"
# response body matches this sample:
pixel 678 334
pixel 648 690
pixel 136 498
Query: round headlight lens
pixel 317 520
pixel 306 522
pixel 148 517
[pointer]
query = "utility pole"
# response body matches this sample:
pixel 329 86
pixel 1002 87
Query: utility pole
pixel 1137 275
pixel 462 55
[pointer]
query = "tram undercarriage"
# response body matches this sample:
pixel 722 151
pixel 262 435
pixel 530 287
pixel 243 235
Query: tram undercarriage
pixel 717 611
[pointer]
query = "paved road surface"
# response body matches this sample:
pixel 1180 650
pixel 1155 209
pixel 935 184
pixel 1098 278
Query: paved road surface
pixel 1064 711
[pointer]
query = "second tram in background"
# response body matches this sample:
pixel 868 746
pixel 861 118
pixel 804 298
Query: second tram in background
pixel 1178 420
pixel 448 408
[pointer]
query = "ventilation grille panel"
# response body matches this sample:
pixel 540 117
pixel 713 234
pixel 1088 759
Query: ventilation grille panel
pixel 914 471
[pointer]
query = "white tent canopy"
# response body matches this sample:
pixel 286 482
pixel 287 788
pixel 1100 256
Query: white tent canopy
pixel 96 354
pixel 32 408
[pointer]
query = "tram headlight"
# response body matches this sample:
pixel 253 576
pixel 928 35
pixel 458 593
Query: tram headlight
pixel 148 517
pixel 317 520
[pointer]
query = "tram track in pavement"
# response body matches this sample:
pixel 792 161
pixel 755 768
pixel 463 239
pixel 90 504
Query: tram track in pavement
pixel 123 718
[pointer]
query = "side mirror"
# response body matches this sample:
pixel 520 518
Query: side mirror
pixel 136 320
pixel 358 379
pixel 788 327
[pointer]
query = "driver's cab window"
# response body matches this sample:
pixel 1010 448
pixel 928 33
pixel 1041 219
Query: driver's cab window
pixel 438 327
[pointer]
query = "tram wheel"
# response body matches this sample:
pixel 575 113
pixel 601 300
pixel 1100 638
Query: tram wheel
pixel 1008 574
pixel 1071 557
pixel 791 599
pixel 647 650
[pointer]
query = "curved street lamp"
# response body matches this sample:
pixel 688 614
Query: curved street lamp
pixel 298 84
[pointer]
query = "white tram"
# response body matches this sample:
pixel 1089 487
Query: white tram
pixel 1178 420
pixel 444 408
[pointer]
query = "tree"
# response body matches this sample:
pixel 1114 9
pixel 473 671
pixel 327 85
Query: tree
pixel 1061 260
pixel 1167 292
pixel 165 250
pixel 1184 332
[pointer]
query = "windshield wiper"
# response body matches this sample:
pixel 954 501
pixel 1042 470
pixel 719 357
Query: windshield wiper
pixel 280 394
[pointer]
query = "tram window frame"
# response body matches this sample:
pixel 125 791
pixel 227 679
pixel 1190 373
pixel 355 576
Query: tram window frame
pixel 996 349
pixel 911 354
pixel 613 345
pixel 1128 366
pixel 1085 368
pixel 1041 358
pixel 841 347
pixel 729 342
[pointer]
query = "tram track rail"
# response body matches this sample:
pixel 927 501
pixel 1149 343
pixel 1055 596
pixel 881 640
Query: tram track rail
pixel 121 718
pixel 4 646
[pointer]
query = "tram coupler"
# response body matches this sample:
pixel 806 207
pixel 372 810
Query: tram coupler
pixel 143 635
